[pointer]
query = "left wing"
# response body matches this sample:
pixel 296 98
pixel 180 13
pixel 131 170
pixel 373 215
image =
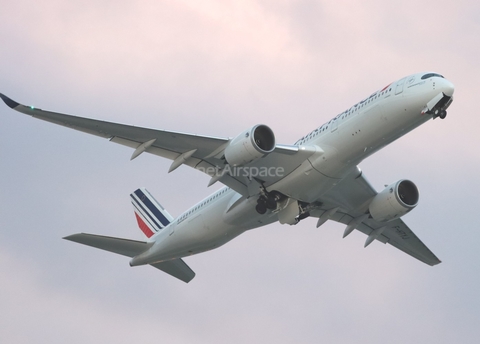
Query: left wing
pixel 348 203
pixel 204 153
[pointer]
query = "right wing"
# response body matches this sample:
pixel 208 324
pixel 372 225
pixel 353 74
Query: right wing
pixel 352 196
pixel 395 233
pixel 204 153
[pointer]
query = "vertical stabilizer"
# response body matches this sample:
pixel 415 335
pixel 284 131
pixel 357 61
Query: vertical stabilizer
pixel 151 216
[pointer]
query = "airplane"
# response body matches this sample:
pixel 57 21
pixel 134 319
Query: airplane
pixel 265 182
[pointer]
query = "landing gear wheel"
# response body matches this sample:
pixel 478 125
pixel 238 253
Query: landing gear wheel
pixel 261 208
pixel 442 114
pixel 270 204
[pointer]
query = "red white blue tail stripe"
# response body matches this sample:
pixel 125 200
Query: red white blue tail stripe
pixel 151 216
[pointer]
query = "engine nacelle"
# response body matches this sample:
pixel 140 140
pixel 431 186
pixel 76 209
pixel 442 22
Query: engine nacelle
pixel 395 201
pixel 252 144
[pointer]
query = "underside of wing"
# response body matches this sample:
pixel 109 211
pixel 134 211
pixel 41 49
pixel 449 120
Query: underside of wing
pixel 395 233
pixel 399 235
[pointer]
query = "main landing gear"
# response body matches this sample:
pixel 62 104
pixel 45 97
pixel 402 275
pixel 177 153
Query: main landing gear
pixel 268 200
pixel 261 207
pixel 289 210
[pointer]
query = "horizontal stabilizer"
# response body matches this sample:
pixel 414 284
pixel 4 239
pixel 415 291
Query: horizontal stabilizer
pixel 131 248
pixel 176 268
pixel 125 247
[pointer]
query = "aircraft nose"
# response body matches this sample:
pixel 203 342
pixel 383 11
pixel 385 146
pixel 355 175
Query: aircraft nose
pixel 446 87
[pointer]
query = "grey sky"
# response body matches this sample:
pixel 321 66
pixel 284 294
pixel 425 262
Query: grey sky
pixel 216 68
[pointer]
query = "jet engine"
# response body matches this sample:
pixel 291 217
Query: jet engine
pixel 395 201
pixel 252 144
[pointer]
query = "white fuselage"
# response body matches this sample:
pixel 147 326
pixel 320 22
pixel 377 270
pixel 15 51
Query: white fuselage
pixel 341 144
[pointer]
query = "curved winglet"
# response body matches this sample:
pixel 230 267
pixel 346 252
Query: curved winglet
pixel 11 103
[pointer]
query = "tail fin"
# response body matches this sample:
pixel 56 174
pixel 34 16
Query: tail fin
pixel 151 216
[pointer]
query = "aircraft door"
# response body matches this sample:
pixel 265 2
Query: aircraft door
pixel 171 228
pixel 399 88
pixel 334 124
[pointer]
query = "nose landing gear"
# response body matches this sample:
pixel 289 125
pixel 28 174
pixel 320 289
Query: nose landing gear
pixel 440 113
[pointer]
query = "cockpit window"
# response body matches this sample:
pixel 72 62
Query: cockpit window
pixel 430 75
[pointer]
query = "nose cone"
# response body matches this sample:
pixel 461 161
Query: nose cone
pixel 446 87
